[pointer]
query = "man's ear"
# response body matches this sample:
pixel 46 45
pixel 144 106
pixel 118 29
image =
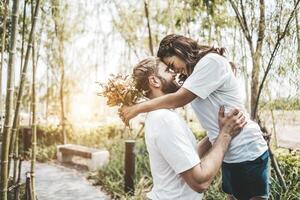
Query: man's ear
pixel 154 81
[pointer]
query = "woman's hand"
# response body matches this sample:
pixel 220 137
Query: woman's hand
pixel 126 113
pixel 233 123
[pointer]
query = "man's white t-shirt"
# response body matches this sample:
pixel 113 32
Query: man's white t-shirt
pixel 215 85
pixel 172 149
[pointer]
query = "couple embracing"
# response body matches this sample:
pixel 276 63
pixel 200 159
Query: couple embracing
pixel 181 167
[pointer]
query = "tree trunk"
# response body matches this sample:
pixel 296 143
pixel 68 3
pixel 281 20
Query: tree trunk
pixel 9 101
pixel 256 59
pixel 149 27
pixel 245 73
pixel 254 83
pixel 256 54
pixel 273 55
pixel 2 57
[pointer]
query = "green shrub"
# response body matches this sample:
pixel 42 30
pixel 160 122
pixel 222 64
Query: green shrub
pixel 111 176
pixel 46 153
pixel 289 163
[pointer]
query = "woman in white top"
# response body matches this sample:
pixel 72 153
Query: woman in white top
pixel 208 83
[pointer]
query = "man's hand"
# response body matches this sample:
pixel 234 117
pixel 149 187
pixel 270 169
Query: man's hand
pixel 233 123
pixel 126 113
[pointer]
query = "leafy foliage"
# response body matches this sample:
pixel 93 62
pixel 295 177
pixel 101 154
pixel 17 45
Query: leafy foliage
pixel 283 104
pixel 111 176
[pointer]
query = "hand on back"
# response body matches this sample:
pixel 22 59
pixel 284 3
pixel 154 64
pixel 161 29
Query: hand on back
pixel 232 123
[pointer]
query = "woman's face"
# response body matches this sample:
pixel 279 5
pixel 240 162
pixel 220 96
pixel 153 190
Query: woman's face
pixel 176 64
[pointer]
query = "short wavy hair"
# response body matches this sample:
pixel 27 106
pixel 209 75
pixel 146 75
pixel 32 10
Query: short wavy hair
pixel 142 71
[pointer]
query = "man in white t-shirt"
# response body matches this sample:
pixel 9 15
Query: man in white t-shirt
pixel 174 153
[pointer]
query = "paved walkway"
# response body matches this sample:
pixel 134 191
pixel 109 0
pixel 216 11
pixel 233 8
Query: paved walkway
pixel 54 182
pixel 289 137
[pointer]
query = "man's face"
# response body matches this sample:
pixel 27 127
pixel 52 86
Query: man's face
pixel 167 78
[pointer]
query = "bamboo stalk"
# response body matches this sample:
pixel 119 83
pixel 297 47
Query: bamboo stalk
pixel 298 35
pixel 149 27
pixel 23 77
pixel 62 106
pixel 9 101
pixel 17 191
pixel 33 137
pixel 16 158
pixel 23 35
pixel 2 55
pixel 15 154
pixel 59 35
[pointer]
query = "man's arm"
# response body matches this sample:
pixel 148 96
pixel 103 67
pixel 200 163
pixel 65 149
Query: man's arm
pixel 204 146
pixel 200 177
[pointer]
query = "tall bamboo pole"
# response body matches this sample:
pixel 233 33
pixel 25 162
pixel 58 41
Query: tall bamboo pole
pixel 17 191
pixel 298 35
pixel 15 154
pixel 17 163
pixel 2 57
pixel 47 94
pixel 149 27
pixel 62 106
pixel 23 76
pixel 23 34
pixel 9 101
pixel 59 33
pixel 33 137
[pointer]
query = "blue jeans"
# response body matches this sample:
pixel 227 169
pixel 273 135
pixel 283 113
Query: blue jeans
pixel 247 179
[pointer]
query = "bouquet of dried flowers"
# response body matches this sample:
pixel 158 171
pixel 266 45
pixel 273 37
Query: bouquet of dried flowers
pixel 120 90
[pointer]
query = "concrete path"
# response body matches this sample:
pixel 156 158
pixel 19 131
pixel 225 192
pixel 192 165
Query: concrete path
pixel 55 182
pixel 289 137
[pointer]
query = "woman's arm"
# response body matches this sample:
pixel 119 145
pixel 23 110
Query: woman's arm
pixel 172 100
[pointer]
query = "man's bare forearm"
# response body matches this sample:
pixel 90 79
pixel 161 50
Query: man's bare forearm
pixel 212 161
pixel 203 147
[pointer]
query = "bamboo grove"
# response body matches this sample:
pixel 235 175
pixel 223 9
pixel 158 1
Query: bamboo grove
pixel 10 138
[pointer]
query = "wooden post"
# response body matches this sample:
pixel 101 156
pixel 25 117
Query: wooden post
pixel 26 135
pixel 129 166
pixel 0 154
pixel 28 190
